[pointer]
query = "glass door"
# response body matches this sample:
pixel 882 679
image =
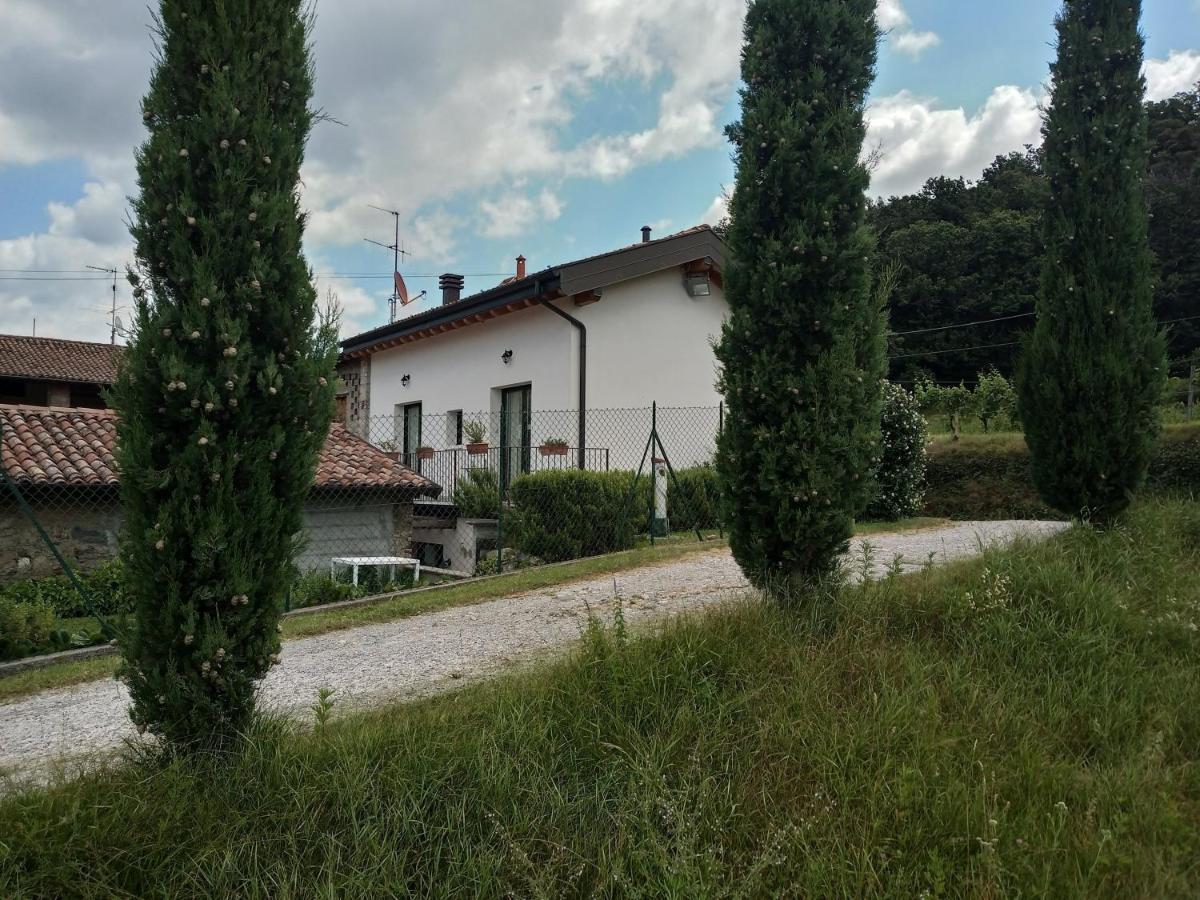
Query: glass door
pixel 412 435
pixel 516 444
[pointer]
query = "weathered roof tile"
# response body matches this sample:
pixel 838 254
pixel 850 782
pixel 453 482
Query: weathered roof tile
pixel 67 447
pixel 54 359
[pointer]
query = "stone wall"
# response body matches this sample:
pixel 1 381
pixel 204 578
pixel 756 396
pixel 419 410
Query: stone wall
pixel 83 527
pixel 356 377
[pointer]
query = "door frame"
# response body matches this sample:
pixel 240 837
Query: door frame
pixel 507 445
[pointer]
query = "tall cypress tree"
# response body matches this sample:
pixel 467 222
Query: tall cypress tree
pixel 226 395
pixel 1092 375
pixel 802 351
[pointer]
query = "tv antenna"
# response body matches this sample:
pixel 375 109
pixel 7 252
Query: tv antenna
pixel 399 289
pixel 115 322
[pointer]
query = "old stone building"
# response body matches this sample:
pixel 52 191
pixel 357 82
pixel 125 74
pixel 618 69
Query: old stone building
pixel 61 460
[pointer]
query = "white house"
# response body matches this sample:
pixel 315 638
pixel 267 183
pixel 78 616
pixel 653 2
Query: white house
pixel 588 338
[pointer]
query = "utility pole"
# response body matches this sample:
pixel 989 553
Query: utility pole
pixel 113 322
pixel 397 252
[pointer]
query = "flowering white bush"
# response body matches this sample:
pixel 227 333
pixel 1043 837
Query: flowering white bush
pixel 901 473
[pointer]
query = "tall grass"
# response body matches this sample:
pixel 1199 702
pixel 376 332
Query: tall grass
pixel 1027 724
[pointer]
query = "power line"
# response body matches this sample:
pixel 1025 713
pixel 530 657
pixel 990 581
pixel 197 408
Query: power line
pixel 956 350
pixel 963 325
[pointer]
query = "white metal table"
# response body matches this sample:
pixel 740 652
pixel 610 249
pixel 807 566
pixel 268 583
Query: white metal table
pixel 355 561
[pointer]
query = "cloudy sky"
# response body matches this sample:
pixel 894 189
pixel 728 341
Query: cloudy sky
pixel 552 128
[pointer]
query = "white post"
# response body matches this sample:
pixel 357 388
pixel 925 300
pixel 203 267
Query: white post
pixel 661 526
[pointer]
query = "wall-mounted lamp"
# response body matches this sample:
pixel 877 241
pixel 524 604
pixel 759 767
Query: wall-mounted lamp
pixel 698 284
pixel 506 357
pixel 405 379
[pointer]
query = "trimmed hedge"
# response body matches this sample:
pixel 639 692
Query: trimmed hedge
pixel 568 514
pixel 990 477
pixel 477 494
pixel 695 503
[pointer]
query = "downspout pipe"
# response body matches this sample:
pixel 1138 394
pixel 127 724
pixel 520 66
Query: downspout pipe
pixel 582 329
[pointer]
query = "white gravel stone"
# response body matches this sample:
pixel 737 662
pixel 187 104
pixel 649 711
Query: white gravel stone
pixel 439 651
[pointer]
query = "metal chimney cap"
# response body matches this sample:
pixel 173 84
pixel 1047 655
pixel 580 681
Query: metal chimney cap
pixel 646 229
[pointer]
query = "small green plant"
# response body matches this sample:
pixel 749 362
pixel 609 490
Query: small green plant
pixel 323 708
pixel 555 442
pixel 475 431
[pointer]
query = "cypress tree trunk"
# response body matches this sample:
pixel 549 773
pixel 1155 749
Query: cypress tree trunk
pixel 802 351
pixel 1092 375
pixel 226 395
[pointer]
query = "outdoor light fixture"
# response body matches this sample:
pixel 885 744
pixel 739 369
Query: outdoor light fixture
pixel 698 284
pixel 405 380
pixel 506 357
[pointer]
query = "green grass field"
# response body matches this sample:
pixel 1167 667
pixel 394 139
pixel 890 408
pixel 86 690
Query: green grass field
pixel 1027 724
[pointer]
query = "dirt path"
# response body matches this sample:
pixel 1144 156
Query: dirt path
pixel 438 651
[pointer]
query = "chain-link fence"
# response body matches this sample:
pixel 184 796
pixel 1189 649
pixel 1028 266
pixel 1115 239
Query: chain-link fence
pixel 414 500
pixel 521 487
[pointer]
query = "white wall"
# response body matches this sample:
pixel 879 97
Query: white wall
pixel 648 341
pixel 462 369
pixel 347 530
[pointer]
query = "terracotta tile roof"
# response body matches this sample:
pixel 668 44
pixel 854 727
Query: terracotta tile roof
pixel 54 359
pixel 68 447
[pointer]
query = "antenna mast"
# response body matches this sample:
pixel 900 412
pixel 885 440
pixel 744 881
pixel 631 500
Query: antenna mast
pixel 397 252
pixel 114 273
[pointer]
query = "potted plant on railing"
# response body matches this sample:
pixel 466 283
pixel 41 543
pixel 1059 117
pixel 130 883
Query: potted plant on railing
pixel 553 447
pixel 425 452
pixel 476 434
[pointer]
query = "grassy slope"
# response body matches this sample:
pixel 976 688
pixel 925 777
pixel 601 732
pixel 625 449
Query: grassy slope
pixel 1023 725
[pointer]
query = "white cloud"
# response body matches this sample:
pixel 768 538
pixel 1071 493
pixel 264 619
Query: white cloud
pixel 717 210
pixel 919 140
pixel 514 213
pixel 1180 71
pixel 86 233
pixel 914 43
pixel 895 20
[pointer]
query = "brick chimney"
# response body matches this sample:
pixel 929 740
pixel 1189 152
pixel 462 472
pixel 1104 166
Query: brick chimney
pixel 520 267
pixel 451 286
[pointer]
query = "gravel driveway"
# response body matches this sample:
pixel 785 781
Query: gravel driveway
pixel 430 653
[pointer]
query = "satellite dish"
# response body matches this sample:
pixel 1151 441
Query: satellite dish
pixel 120 325
pixel 401 290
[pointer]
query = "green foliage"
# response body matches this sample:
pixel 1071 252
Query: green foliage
pixel 969 252
pixel 319 589
pixel 227 390
pixel 695 502
pixel 1173 194
pixel 953 401
pixel 802 348
pixel 475 431
pixel 1092 374
pixel 27 627
pixel 901 474
pixel 1023 725
pixel 477 494
pixel 104 586
pixel 995 401
pixel 566 514
pixel 992 478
